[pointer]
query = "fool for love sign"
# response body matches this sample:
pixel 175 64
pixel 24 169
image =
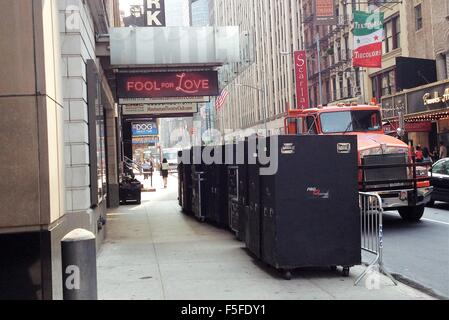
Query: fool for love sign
pixel 168 84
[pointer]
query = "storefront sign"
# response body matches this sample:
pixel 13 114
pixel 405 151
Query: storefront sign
pixel 160 109
pixel 136 101
pixel 368 36
pixel 435 98
pixel 155 13
pixel 302 90
pixel 410 126
pixel 146 140
pixel 148 128
pixel 168 84
pixel 325 12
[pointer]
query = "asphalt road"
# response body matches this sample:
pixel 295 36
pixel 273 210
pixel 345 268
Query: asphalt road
pixel 420 252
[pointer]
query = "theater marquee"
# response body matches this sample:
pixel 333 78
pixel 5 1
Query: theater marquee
pixel 168 84
pixel 160 109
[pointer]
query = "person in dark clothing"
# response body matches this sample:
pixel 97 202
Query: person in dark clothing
pixel 147 169
pixel 164 171
pixel 426 155
pixel 419 154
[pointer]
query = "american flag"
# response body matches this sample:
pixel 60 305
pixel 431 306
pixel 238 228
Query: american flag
pixel 221 99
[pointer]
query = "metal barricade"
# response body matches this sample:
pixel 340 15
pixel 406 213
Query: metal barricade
pixel 372 231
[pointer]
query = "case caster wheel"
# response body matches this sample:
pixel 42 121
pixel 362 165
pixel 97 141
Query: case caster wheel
pixel 346 271
pixel 287 275
pixel 333 268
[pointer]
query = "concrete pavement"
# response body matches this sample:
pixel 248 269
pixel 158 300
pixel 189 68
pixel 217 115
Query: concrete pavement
pixel 153 252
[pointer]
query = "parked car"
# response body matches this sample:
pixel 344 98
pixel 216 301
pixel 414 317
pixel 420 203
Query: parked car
pixel 439 179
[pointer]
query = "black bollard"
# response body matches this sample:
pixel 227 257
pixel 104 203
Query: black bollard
pixel 79 265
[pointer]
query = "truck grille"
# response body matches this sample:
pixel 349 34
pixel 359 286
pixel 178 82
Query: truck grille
pixel 385 175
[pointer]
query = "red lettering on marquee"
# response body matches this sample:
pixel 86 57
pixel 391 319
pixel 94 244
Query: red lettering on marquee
pixel 168 84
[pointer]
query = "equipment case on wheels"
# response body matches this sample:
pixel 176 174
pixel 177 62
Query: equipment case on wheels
pixel 309 215
pixel 130 189
pixel 200 194
pixel 185 183
pixel 253 220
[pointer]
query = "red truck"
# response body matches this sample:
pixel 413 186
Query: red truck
pixel 386 164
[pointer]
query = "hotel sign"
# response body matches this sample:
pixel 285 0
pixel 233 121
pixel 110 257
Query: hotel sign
pixel 167 84
pixel 435 98
pixel 302 87
pixel 421 99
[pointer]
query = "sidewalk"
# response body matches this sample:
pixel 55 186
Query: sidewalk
pixel 153 252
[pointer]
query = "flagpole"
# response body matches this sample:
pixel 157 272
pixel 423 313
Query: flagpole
pixel 362 77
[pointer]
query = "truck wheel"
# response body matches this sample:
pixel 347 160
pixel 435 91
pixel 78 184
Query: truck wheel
pixel 412 214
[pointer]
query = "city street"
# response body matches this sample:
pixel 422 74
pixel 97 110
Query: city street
pixel 153 252
pixel 419 252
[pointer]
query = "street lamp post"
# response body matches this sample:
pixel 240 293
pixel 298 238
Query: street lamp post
pixel 319 67
pixel 265 106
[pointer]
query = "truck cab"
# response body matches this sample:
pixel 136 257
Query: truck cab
pixel 386 164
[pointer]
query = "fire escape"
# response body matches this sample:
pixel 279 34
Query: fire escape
pixel 335 60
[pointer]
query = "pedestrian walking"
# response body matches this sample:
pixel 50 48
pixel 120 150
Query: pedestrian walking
pixel 435 154
pixel 147 169
pixel 443 150
pixel 419 154
pixel 164 171
pixel 426 155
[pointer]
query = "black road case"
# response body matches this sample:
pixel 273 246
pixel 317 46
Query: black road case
pixel 217 187
pixel 130 190
pixel 310 215
pixel 253 219
pixel 200 194
pixel 242 175
pixel 233 199
pixel 185 183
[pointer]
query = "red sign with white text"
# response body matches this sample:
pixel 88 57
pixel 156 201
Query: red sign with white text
pixel 302 87
pixel 167 84
pixel 425 126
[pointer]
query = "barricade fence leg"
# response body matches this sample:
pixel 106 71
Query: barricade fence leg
pixel 371 225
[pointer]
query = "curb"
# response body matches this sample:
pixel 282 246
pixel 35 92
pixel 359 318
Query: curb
pixel 418 286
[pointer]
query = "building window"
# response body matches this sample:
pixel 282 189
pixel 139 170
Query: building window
pixel 97 134
pixel 384 84
pixel 392 39
pixel 334 88
pixel 418 17
pixel 340 83
pixel 349 86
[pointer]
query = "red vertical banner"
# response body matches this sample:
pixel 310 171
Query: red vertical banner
pixel 302 87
